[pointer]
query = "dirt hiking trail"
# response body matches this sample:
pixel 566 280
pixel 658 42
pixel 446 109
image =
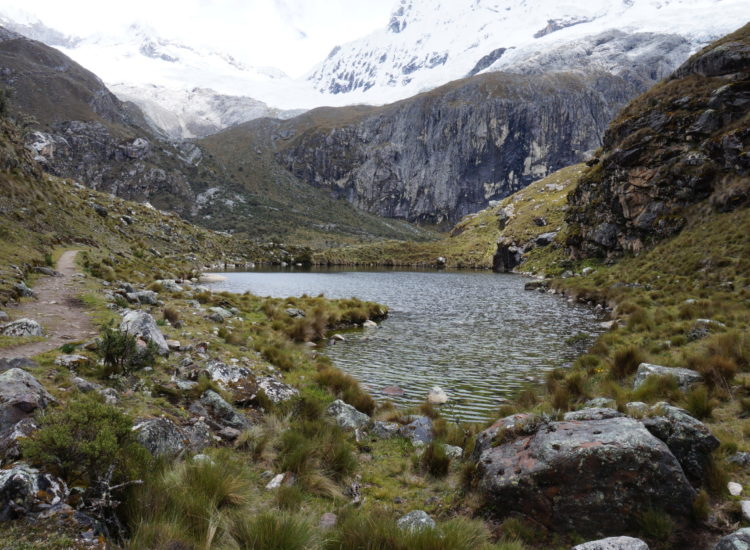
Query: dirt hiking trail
pixel 57 308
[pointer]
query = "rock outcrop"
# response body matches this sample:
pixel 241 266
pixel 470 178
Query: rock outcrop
pixel 25 491
pixel 143 325
pixel 444 154
pixel 592 477
pixel 681 143
pixel 20 396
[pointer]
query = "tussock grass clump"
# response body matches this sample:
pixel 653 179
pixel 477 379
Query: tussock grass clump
pixel 191 503
pixel 376 529
pixel 701 507
pixel 625 362
pixel 656 524
pixel 657 388
pixel 434 460
pixel 289 498
pixel 172 316
pixel 718 370
pixel 319 453
pixel 272 531
pixel 698 402
pixel 345 387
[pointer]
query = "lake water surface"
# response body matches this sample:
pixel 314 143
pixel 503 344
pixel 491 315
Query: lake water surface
pixel 478 335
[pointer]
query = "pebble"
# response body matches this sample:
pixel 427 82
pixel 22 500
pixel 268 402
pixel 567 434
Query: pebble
pixel 735 489
pixel 276 482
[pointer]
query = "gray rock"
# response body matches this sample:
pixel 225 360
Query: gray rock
pixel 222 412
pixel 581 476
pixel 109 395
pixel 453 451
pixel 226 374
pixel 613 543
pixel 72 361
pixel 22 327
pixel 221 312
pixel 84 385
pixel 146 297
pixel 703 327
pixel 10 438
pixel 688 439
pixel 385 430
pixel 170 285
pixel 745 509
pixel 601 402
pixel 47 271
pixel 198 436
pixel 346 416
pixel 741 459
pixel 419 431
pixel 593 413
pixel 23 290
pixel 20 396
pixel 4 318
pixel 739 540
pixel 637 409
pixel 25 491
pixel 545 238
pixel 160 436
pixel 142 325
pixel 294 312
pixel 416 521
pixel 276 391
pixel 328 521
pixel 685 377
pixel 522 423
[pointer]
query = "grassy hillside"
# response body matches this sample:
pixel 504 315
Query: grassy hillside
pixel 472 243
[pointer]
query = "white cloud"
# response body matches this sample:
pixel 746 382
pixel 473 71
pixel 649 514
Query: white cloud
pixel 292 35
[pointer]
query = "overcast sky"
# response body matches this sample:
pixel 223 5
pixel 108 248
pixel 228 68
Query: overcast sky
pixel 291 35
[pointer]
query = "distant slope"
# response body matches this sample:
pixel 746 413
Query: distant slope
pixel 78 129
pixel 685 142
pixel 446 153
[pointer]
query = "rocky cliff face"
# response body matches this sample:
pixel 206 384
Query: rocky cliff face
pixel 441 155
pixel 686 141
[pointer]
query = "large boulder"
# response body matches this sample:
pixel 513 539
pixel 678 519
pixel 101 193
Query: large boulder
pixel 23 290
pixel 160 436
pixel 142 325
pixel 222 412
pixel 346 416
pixel 685 377
pixel 20 396
pixel 592 477
pixel 613 543
pixel 688 439
pixel 22 327
pixel 508 427
pixel 25 491
pixel 739 540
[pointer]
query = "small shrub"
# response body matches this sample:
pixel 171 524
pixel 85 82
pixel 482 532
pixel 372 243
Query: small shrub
pixel 716 478
pixel 120 353
pixel 625 362
pixel 48 261
pixel 656 524
pixel 434 460
pixel 68 348
pixel 84 439
pixel 560 398
pixel 575 383
pixel 527 399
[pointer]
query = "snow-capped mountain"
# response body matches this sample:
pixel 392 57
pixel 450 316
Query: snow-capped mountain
pixel 429 42
pixel 191 91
